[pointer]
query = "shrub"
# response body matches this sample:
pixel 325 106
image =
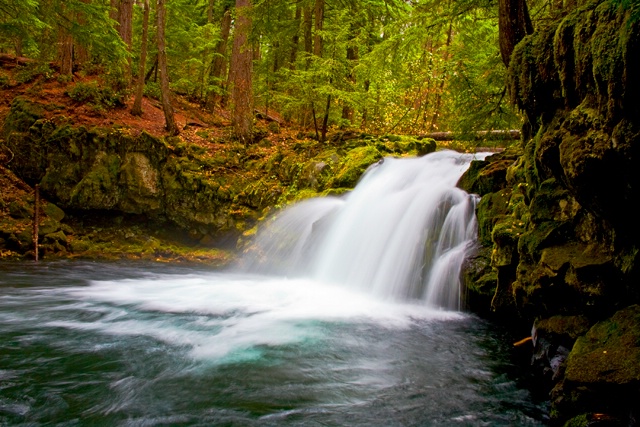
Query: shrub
pixel 28 73
pixel 100 97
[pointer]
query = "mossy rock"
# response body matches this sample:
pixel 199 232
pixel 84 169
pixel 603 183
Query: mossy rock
pixel 564 328
pixel 552 202
pixel 603 372
pixel 490 210
pixel 53 212
pixel 353 165
pixel 21 209
pixel 22 115
pixel 485 177
pixel 609 352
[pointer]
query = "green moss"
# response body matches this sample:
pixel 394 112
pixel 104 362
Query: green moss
pixel 609 352
pixel 353 165
pixel 22 115
pixel 579 421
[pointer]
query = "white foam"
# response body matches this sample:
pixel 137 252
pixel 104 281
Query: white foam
pixel 217 315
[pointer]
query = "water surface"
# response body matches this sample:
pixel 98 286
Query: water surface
pixel 121 344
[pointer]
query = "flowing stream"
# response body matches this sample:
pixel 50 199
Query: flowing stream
pixel 343 313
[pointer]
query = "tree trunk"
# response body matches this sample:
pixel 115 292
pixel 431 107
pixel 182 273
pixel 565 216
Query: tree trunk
pixel 210 7
pixel 17 44
pixel 439 93
pixel 365 112
pixel 319 21
pixel 152 71
pixel 170 121
pixel 307 25
pixel 65 51
pixel 122 12
pixel 295 40
pixel 137 103
pixel 219 65
pixel 241 74
pixel 125 29
pixel 514 23
pixel 352 55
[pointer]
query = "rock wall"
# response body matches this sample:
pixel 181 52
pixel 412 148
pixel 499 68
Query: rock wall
pixel 557 218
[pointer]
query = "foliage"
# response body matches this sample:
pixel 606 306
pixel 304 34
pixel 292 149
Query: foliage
pixel 632 5
pixel 30 72
pixel 152 90
pixel 385 65
pixel 98 95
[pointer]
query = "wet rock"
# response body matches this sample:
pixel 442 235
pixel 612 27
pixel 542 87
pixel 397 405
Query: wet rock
pixel 603 371
pixel 553 339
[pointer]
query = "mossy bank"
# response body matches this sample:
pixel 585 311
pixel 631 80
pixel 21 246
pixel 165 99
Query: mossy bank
pixel 118 192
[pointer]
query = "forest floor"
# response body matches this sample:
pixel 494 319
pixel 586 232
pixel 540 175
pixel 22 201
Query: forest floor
pixel 208 129
pixel 53 90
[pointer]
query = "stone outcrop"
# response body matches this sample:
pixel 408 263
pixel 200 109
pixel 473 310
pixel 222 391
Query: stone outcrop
pixel 212 194
pixel 557 220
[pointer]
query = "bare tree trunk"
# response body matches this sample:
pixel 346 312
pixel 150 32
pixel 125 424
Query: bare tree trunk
pixel 241 73
pixel 125 28
pixel 65 51
pixel 122 12
pixel 295 40
pixel 170 121
pixel 210 6
pixel 17 44
pixel 440 91
pixel 137 103
pixel 352 55
pixel 325 120
pixel 219 65
pixel 365 111
pixel 152 71
pixel 319 21
pixel 514 23
pixel 307 25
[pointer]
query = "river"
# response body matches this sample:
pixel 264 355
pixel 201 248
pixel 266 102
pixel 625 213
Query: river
pixel 122 344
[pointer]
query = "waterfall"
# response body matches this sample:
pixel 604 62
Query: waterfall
pixel 402 233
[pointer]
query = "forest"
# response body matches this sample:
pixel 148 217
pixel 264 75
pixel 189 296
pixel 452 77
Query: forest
pixel 386 66
pixel 176 131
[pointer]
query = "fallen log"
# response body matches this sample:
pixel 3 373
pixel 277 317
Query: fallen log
pixel 7 60
pixel 484 135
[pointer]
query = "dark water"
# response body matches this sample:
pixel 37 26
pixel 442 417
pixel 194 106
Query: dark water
pixel 116 344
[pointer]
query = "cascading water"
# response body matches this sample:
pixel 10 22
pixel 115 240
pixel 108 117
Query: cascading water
pixel 135 343
pixel 402 233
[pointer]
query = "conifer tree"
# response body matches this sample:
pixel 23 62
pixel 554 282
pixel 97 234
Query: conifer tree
pixel 167 107
pixel 136 110
pixel 240 74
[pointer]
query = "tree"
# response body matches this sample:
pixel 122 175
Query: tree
pixel 169 116
pixel 122 13
pixel 514 23
pixel 219 63
pixel 136 110
pixel 240 73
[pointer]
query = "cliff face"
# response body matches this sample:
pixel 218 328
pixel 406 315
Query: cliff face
pixel 557 217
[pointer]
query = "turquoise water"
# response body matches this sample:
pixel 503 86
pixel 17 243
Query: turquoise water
pixel 120 344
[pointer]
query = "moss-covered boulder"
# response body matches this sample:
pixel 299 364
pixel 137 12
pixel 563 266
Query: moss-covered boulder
pixel 553 339
pixel 603 371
